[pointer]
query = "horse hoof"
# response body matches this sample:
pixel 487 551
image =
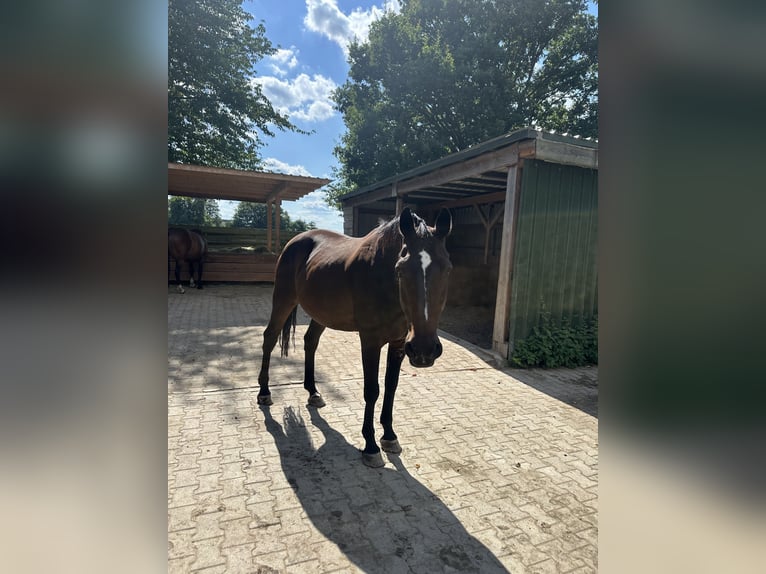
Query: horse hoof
pixel 265 400
pixel 374 460
pixel 181 290
pixel 316 401
pixel 391 446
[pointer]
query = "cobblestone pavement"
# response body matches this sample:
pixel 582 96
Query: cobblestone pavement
pixel 497 475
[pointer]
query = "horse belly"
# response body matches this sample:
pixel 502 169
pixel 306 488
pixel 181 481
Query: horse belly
pixel 338 318
pixel 327 299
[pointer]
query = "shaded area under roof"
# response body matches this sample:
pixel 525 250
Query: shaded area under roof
pixel 238 185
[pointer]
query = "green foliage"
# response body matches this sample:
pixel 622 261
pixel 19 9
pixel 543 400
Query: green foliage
pixel 193 211
pixel 216 113
pixel 563 345
pixel 446 74
pixel 254 215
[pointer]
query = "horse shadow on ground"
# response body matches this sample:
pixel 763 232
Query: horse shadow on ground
pixel 383 520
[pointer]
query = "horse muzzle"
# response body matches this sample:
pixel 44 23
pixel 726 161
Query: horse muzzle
pixel 423 354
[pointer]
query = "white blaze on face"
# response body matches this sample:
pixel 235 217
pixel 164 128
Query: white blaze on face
pixel 425 261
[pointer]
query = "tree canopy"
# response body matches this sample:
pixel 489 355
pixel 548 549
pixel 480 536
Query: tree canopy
pixel 443 75
pixel 216 113
pixel 193 211
pixel 249 214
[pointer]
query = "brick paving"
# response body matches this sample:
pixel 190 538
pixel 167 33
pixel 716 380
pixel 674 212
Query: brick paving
pixel 496 475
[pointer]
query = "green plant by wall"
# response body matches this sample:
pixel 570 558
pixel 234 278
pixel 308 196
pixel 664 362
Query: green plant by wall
pixel 550 345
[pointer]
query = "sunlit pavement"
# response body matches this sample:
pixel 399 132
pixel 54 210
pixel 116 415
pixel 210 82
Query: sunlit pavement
pixel 496 474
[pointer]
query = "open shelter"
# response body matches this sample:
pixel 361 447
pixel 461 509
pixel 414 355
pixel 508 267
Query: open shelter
pixel 525 215
pixel 241 185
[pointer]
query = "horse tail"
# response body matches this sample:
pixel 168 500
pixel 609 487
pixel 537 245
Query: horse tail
pixel 284 336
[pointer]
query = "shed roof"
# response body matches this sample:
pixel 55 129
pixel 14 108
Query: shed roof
pixel 478 171
pixel 238 185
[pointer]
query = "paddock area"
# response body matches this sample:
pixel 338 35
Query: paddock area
pixel 499 469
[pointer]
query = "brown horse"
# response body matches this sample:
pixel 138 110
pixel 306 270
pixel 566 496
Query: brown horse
pixel 190 246
pixel 390 286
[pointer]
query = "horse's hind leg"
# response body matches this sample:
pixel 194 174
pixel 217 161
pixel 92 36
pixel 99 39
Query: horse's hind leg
pixel 178 276
pixel 280 313
pixel 191 275
pixel 311 341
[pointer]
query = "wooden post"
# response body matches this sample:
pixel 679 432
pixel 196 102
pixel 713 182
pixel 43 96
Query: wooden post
pixel 268 225
pixel 488 225
pixel 399 198
pixel 500 341
pixel 278 203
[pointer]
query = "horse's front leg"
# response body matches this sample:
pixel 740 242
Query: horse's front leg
pixel 389 441
pixel 370 362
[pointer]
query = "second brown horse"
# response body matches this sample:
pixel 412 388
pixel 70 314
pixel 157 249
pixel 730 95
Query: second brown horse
pixel 390 286
pixel 190 246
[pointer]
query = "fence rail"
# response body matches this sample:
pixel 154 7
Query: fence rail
pixel 227 239
pixel 235 267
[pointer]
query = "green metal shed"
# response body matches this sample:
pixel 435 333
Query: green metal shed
pixel 531 198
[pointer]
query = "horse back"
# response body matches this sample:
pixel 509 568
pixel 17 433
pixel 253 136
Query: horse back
pixel 338 280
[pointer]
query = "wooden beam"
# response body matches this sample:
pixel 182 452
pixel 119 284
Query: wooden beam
pixel 278 203
pixel 481 215
pixel 567 154
pixel 500 342
pixel 277 191
pixel 268 225
pixel 378 194
pixel 477 200
pixel 499 159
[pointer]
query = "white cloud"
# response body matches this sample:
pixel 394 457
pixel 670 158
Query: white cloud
pixel 312 207
pixel 283 60
pixel 303 97
pixel 325 18
pixel 277 166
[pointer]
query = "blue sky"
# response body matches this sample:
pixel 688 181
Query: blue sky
pixel 312 37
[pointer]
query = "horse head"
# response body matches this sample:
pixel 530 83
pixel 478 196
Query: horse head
pixel 423 272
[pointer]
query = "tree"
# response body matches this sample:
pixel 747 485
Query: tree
pixel 193 211
pixel 215 112
pixel 254 215
pixel 443 75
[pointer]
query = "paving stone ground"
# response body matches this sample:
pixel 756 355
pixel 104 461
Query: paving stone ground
pixel 499 471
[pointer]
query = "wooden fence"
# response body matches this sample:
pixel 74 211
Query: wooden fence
pixel 236 267
pixel 236 255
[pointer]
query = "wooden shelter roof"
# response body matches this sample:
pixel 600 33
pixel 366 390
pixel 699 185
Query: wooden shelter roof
pixel 477 174
pixel 238 185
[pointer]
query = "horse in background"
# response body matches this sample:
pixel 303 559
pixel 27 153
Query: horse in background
pixel 390 286
pixel 189 246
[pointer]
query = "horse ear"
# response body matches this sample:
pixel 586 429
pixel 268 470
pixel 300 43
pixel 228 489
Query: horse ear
pixel 406 224
pixel 443 223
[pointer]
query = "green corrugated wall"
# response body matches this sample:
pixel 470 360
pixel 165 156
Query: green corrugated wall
pixel 555 254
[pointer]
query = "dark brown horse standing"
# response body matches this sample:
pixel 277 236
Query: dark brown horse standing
pixel 190 246
pixel 390 286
